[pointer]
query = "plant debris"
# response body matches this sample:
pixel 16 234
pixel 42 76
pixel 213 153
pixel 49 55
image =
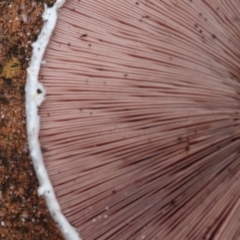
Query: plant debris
pixel 24 214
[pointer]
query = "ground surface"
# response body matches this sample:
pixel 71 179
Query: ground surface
pixel 23 214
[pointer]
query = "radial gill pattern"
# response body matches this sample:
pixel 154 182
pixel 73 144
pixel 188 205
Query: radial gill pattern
pixel 140 129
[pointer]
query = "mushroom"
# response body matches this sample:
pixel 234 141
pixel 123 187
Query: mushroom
pixel 140 128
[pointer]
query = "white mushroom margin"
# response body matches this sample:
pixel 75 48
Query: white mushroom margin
pixel 35 94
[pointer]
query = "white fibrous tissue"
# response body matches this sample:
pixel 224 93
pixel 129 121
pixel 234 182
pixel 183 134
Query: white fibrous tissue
pixel 35 94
